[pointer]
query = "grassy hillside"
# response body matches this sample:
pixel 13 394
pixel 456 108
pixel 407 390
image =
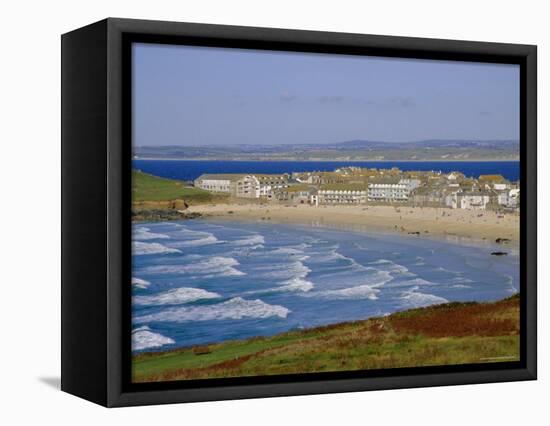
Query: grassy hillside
pixel 147 187
pixel 454 333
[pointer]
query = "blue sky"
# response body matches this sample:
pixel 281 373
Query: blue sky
pixel 186 95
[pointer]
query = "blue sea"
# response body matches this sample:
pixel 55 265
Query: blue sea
pixel 204 280
pixel 190 170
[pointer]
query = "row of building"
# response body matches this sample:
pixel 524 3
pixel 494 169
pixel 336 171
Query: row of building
pixel 353 185
pixel 244 185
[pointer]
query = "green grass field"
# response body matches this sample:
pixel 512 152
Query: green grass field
pixel 455 333
pixel 146 187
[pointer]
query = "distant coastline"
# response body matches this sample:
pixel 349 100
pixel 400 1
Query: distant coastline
pixel 355 150
pixel 444 160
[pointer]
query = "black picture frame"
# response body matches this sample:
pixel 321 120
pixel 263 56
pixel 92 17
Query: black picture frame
pixel 96 226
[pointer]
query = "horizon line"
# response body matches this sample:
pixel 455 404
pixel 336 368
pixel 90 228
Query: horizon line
pixel 336 143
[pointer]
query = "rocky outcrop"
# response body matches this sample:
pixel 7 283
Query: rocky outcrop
pixel 156 215
pixel 170 205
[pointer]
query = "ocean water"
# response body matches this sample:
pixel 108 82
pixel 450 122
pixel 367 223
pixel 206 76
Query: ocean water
pixel 202 281
pixel 190 170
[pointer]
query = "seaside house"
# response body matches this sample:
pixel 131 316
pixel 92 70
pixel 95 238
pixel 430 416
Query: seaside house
pixel 491 178
pixel 270 184
pixel 432 196
pixel 314 197
pixel 296 193
pixel 331 177
pixel 243 185
pixel 300 194
pixel 509 198
pixel 501 186
pixel 341 193
pixel 247 187
pixel 306 177
pixel 218 182
pixel 391 189
pixel 455 177
pixel 471 200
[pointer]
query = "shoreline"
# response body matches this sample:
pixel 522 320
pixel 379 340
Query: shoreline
pixel 462 226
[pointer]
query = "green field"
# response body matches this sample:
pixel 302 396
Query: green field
pixel 146 187
pixel 454 333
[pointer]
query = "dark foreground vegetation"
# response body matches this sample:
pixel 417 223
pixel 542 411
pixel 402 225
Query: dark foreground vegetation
pixel 453 333
pixel 161 215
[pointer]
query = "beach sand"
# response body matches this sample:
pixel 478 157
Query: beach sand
pixel 427 221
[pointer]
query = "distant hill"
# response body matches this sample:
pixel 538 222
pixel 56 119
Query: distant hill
pixel 358 150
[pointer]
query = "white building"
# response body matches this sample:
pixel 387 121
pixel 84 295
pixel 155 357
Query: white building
pixel 389 191
pixel 476 200
pixel 501 186
pixel 247 187
pixel 270 184
pixel 218 182
pixel 341 194
pixel 242 185
pixel 454 176
pixel 314 199
pixel 509 198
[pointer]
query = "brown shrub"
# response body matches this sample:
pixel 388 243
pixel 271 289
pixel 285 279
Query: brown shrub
pixel 201 350
pixel 470 320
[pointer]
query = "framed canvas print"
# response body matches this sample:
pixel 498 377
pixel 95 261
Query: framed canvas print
pixel 252 212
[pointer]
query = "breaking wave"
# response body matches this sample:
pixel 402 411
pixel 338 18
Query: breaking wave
pixel 194 238
pixel 287 250
pixel 249 241
pixel 333 254
pixel 380 262
pixel 140 248
pixel 139 283
pixel 141 234
pixel 414 282
pixel 175 296
pixel 212 267
pixel 461 280
pixel 292 285
pixel 364 291
pixel 204 241
pixel 413 298
pixel 144 338
pixel 392 267
pixel 296 284
pixel 328 256
pixel 284 271
pixel 233 309
pixel 186 232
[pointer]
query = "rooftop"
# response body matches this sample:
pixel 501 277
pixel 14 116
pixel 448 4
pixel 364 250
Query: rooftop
pixel 386 181
pixel 493 178
pixel 222 176
pixel 297 188
pixel 343 187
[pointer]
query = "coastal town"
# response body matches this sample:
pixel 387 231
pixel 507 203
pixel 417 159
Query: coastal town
pixel 369 186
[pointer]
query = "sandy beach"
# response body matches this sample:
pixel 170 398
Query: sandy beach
pixel 427 221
